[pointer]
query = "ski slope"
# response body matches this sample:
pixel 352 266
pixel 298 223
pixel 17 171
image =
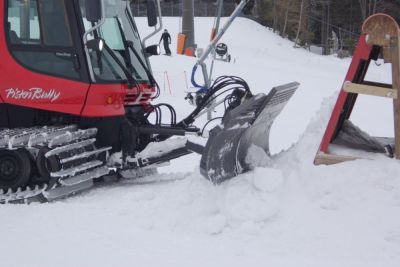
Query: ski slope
pixel 287 212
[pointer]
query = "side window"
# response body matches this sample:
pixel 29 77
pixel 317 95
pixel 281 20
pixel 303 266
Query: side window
pixel 23 22
pixel 55 23
pixel 111 33
pixel 104 66
pixel 40 38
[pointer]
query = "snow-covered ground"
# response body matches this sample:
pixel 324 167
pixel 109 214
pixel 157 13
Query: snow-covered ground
pixel 286 213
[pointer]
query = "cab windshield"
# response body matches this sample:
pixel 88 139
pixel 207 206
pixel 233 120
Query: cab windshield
pixel 118 30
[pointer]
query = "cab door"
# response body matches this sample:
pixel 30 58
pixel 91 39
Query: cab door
pixel 42 64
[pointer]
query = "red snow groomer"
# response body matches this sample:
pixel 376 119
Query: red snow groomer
pixel 75 99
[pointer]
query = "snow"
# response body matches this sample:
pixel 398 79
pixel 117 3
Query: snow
pixel 287 212
pixel 161 148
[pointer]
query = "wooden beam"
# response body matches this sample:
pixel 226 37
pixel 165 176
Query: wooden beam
pixel 330 159
pixel 370 90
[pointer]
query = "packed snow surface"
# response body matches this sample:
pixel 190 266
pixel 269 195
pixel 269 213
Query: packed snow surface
pixel 287 212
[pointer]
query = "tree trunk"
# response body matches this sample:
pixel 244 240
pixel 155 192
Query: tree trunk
pixel 286 18
pixel 363 6
pixel 275 22
pixel 299 25
pixel 374 8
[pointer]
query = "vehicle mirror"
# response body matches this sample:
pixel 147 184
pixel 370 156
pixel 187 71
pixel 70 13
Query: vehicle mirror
pixel 95 44
pixel 153 50
pixel 151 13
pixel 93 10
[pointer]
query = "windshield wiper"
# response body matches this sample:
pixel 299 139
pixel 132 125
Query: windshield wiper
pixel 130 80
pixel 129 44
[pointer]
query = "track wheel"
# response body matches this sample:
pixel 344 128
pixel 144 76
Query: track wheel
pixel 15 168
pixel 45 166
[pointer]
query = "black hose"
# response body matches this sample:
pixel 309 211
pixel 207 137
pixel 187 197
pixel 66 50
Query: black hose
pixel 219 84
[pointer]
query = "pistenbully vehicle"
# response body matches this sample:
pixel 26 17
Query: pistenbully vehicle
pixel 75 96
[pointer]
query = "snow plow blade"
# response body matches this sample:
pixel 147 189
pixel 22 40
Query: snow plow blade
pixel 248 124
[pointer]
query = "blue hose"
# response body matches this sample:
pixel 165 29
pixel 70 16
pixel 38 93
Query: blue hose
pixel 202 89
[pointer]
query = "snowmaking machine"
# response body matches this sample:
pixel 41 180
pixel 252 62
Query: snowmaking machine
pixel 76 93
pixel 222 51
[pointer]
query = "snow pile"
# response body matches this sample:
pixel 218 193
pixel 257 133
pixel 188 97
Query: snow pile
pixel 287 212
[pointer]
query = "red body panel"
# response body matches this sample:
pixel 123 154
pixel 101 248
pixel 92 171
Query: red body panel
pixel 109 100
pixel 362 52
pixel 104 100
pixel 20 86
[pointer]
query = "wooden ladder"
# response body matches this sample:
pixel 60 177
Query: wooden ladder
pixel 380 35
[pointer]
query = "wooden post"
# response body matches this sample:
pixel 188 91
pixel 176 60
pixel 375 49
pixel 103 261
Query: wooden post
pixel 395 60
pixel 382 30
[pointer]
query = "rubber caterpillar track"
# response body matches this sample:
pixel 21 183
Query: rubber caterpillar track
pixel 51 162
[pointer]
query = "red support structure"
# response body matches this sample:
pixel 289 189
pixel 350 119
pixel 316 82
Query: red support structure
pixel 380 36
pixel 361 57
